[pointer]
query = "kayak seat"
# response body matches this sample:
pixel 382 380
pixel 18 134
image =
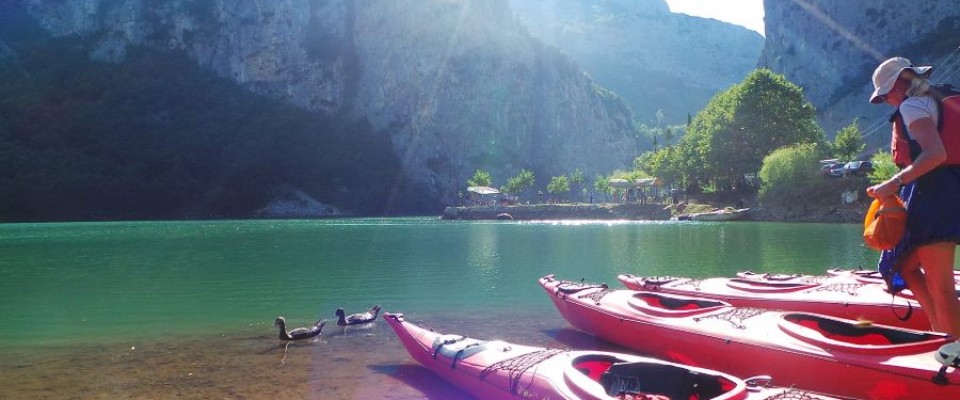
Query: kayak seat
pixel 850 335
pixel 666 305
pixel 660 379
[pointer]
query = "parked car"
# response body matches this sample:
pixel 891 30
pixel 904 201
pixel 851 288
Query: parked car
pixel 858 168
pixel 834 170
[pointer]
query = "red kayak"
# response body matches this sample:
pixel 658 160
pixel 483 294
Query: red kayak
pixel 499 370
pixel 873 276
pixel 817 352
pixel 849 295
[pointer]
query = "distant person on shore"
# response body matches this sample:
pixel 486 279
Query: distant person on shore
pixel 923 260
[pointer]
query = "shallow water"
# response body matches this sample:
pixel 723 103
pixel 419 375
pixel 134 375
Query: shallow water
pixel 185 309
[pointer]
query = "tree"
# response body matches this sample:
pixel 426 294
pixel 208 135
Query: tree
pixel 480 178
pixel 663 164
pixel 602 184
pixel 657 131
pixel 883 167
pixel 576 178
pixel 740 126
pixel 517 184
pixel 788 172
pixel 848 144
pixel 559 185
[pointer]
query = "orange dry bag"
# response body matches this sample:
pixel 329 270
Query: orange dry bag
pixel 885 223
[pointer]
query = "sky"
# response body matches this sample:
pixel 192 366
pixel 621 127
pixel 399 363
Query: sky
pixel 746 13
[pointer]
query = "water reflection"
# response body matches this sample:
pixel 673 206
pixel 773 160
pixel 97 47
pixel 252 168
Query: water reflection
pixel 483 257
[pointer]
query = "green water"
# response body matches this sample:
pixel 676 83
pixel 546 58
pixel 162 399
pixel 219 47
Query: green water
pixel 106 281
pixel 175 310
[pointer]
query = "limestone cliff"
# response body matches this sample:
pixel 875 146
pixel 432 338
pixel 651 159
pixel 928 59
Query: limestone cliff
pixel 655 59
pixel 458 84
pixel 830 48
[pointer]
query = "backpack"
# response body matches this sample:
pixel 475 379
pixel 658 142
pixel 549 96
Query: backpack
pixel 905 149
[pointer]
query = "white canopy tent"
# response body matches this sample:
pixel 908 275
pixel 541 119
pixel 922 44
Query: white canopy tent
pixel 482 190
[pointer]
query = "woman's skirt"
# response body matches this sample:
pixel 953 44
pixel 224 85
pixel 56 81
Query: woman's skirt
pixel 933 216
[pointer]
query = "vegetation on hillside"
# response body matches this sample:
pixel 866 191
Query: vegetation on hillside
pixel 157 137
pixel 480 178
pixel 730 138
pixel 883 167
pixel 761 128
pixel 848 143
pixel 788 168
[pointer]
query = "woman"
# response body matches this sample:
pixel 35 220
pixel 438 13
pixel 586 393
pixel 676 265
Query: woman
pixel 931 191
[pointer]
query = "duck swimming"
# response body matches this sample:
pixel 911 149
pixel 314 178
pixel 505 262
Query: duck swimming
pixel 298 333
pixel 359 318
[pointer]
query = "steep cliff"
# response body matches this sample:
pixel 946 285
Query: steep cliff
pixel 456 85
pixel 471 89
pixel 655 59
pixel 830 48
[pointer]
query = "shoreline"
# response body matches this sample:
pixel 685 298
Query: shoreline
pixel 853 213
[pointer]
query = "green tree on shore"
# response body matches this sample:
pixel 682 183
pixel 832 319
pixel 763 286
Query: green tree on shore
pixel 740 126
pixel 883 167
pixel 480 178
pixel 576 178
pixel 517 184
pixel 787 172
pixel 848 144
pixel 601 184
pixel 559 185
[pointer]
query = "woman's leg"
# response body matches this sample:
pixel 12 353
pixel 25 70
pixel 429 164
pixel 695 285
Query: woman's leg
pixel 917 283
pixel 937 260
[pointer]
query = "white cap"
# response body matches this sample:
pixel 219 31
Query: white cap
pixel 885 76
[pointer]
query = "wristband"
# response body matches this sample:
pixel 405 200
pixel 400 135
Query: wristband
pixel 899 180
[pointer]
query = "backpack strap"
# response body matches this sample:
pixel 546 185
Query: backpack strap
pixel 940 92
pixel 902 145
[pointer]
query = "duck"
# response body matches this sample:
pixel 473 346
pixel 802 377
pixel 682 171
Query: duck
pixel 359 318
pixel 298 333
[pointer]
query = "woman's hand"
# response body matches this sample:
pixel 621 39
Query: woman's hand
pixel 884 189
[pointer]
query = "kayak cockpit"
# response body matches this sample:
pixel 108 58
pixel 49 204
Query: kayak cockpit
pixel 650 377
pixel 860 337
pixel 672 305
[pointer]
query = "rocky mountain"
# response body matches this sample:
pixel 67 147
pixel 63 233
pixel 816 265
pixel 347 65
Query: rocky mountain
pixel 454 85
pixel 654 59
pixel 410 98
pixel 830 48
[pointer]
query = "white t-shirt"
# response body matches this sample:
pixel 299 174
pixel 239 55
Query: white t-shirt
pixel 914 108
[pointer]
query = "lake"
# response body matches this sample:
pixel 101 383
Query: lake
pixel 185 309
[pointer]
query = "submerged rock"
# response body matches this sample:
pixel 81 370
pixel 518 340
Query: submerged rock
pixel 296 204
